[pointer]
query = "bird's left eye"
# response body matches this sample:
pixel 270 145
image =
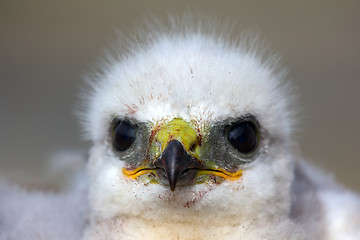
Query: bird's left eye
pixel 244 136
pixel 123 136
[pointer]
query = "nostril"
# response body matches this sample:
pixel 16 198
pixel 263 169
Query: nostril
pixel 193 147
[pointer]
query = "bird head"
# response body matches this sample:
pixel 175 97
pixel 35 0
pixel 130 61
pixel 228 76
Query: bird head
pixel 189 126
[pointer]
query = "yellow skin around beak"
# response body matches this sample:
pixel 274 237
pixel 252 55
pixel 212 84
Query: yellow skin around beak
pixel 184 132
pixel 179 130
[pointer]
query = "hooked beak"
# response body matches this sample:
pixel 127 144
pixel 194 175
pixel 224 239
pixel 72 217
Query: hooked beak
pixel 176 166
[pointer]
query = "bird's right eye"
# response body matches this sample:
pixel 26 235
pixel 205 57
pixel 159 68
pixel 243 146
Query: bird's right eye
pixel 123 136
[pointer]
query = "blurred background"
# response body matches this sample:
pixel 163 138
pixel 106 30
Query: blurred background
pixel 46 47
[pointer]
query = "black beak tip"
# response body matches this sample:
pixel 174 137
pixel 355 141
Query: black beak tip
pixel 174 162
pixel 172 178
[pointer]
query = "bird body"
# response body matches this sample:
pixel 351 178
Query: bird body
pixel 191 137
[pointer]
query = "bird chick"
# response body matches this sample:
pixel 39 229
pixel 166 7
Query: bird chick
pixel 192 139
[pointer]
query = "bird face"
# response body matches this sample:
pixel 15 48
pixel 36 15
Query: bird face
pixel 180 153
pixel 188 128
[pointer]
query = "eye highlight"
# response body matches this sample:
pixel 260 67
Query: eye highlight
pixel 244 136
pixel 123 136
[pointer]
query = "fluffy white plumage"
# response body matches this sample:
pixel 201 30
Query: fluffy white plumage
pixel 203 78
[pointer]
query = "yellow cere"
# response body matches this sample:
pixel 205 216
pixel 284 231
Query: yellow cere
pixel 180 130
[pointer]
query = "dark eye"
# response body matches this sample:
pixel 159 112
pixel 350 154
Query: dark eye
pixel 124 136
pixel 244 136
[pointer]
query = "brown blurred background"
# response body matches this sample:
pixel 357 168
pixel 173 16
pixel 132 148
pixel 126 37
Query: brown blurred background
pixel 47 46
